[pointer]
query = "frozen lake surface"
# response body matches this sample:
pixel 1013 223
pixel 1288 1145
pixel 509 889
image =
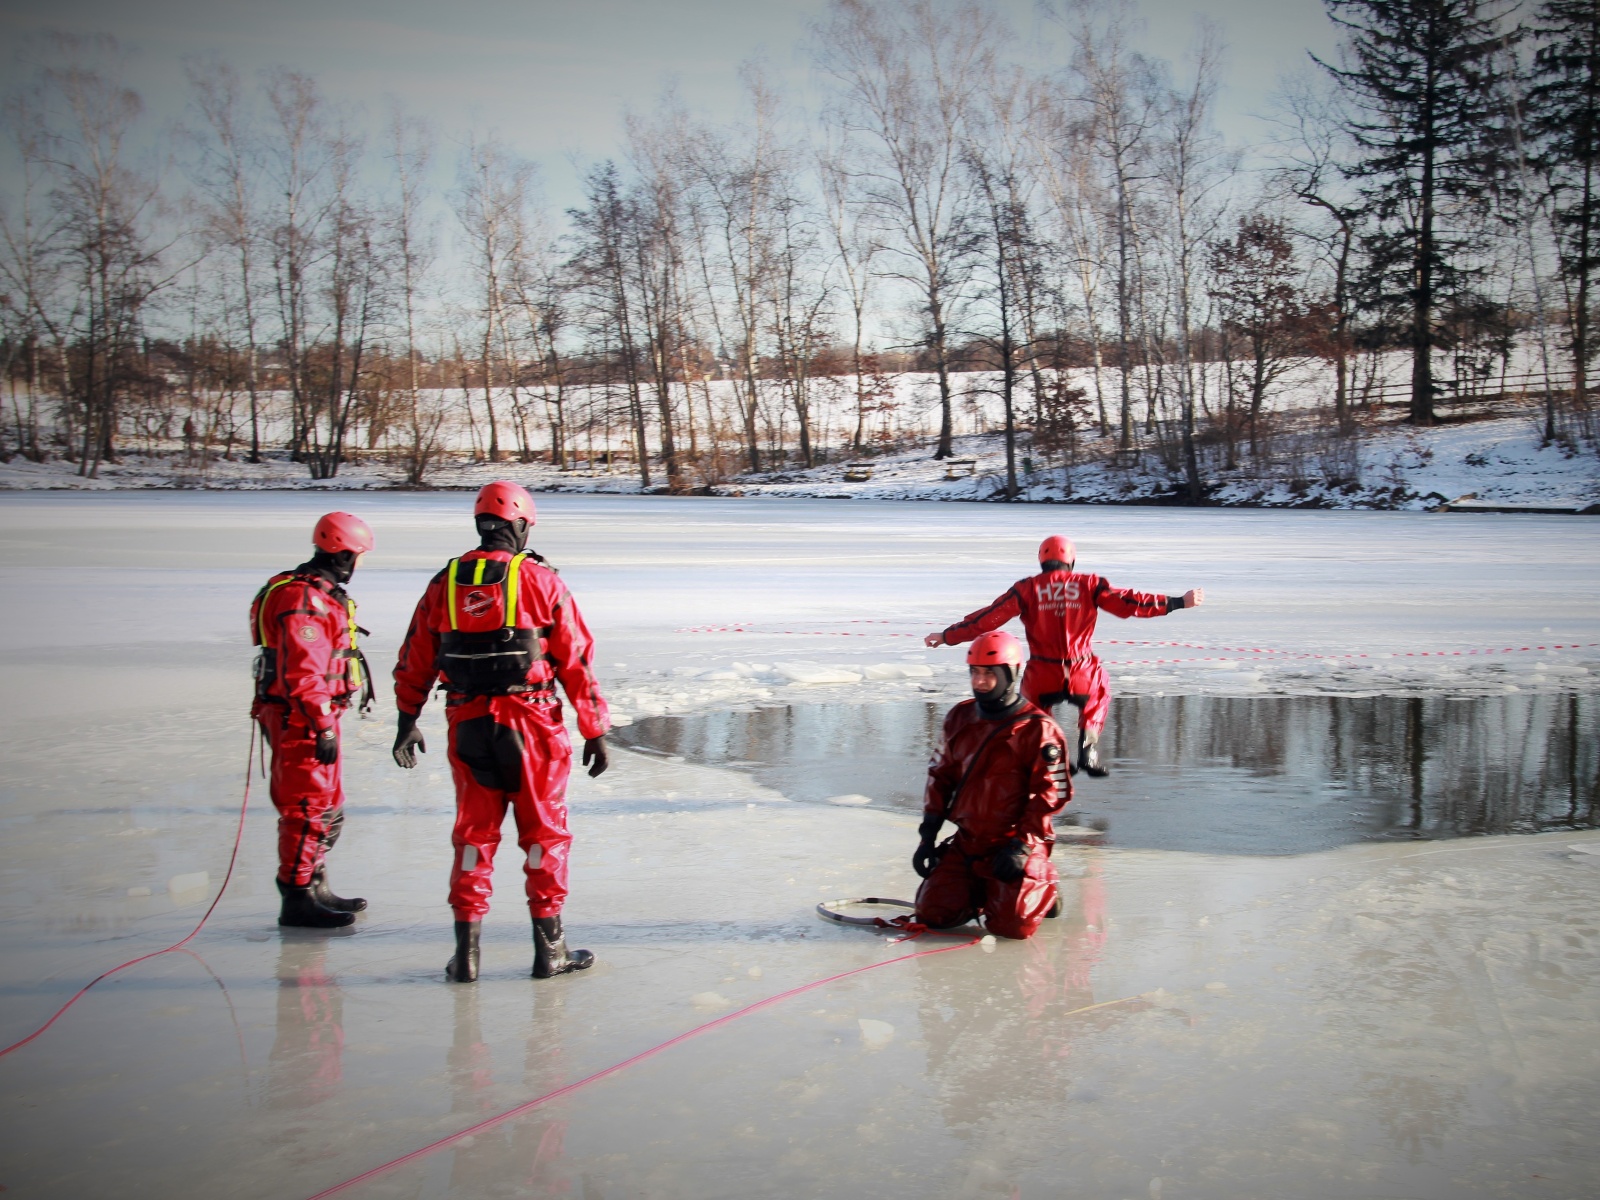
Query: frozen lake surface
pixel 1386 1019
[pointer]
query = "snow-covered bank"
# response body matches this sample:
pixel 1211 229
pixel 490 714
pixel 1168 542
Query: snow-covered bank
pixel 1393 468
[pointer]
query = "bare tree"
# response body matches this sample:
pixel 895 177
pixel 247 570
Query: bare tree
pixel 1064 163
pixel 855 244
pixel 909 72
pixel 1191 165
pixel 1118 90
pixel 739 178
pixel 227 173
pixel 1312 147
pixel 105 208
pixel 491 207
pixel 603 269
pixel 31 276
pixel 351 293
pixel 1012 293
pixel 1258 286
pixel 410 151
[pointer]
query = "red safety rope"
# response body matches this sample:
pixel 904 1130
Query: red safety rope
pixel 238 838
pixel 568 1089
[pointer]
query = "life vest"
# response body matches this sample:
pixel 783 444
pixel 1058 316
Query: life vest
pixel 484 653
pixel 348 667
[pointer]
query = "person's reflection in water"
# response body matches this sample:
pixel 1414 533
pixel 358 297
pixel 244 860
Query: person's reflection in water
pixel 522 1155
pixel 307 1062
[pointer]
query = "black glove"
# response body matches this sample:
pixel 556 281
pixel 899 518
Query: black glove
pixel 595 749
pixel 926 858
pixel 1010 862
pixel 408 742
pixel 327 746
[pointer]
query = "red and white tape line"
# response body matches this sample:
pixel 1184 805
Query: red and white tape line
pixel 1376 655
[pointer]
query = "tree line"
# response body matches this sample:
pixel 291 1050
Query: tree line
pixel 1066 242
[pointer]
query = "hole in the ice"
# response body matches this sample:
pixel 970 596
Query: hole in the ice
pixel 1257 775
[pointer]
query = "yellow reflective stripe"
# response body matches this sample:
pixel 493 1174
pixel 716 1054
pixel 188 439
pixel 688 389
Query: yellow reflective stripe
pixel 261 611
pixel 477 575
pixel 513 581
pixel 450 590
pixel 353 660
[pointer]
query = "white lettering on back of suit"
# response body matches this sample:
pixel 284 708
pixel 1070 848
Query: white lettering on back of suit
pixel 1057 595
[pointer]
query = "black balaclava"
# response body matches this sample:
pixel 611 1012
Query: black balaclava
pixel 1005 699
pixel 1055 564
pixel 497 533
pixel 336 567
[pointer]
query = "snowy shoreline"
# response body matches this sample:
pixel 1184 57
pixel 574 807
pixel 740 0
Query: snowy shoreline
pixel 1498 463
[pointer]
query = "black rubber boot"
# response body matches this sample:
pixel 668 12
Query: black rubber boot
pixel 463 968
pixel 325 897
pixel 1055 908
pixel 550 954
pixel 300 910
pixel 333 827
pixel 1089 758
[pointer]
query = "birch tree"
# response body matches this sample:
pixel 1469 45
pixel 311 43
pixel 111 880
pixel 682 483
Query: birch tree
pixel 909 73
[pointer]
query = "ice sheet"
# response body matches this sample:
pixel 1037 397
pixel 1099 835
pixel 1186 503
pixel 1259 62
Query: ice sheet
pixel 1373 1021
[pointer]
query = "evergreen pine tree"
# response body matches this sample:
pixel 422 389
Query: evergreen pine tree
pixel 1420 75
pixel 1564 119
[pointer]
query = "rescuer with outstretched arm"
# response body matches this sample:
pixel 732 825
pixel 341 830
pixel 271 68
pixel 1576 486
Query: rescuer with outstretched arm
pixel 1058 607
pixel 999 776
pixel 500 629
pixel 308 670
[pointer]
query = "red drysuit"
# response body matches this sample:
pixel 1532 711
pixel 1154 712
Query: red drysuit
pixel 309 669
pixel 996 780
pixel 508 746
pixel 1058 610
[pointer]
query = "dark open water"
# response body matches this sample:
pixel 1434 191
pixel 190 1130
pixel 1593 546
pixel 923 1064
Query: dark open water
pixel 1257 775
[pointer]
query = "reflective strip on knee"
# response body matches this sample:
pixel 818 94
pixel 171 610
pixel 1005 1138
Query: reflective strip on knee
pixel 469 857
pixel 535 856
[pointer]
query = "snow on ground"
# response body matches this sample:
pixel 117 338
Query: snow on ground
pixel 1500 460
pixel 1373 1021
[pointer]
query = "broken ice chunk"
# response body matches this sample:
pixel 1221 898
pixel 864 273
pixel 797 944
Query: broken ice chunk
pixel 193 881
pixel 815 673
pixel 875 1035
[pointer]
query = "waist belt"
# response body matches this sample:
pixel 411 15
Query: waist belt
pixel 543 692
pixel 1063 662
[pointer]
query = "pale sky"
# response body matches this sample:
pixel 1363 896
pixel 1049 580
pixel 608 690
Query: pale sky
pixel 551 77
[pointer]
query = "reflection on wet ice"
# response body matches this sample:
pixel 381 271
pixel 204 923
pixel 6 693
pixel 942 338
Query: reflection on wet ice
pixel 306 1066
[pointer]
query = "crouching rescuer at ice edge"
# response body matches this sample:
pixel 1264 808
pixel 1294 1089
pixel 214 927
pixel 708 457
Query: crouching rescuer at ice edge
pixel 308 669
pixel 500 628
pixel 999 776
pixel 1058 607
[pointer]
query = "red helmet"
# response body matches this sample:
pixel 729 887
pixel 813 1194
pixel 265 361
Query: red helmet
pixel 340 531
pixel 995 649
pixel 505 499
pixel 1057 549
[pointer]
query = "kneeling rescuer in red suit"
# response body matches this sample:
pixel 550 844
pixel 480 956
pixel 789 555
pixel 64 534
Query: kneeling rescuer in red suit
pixel 999 776
pixel 500 628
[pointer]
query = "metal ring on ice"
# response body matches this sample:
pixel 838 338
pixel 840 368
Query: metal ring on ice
pixel 828 910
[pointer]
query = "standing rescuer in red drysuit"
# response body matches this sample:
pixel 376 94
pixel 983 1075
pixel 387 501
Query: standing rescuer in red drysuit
pixel 999 776
pixel 1058 607
pixel 500 628
pixel 309 668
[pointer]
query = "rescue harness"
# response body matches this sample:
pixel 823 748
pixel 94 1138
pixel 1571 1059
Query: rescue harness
pixel 352 663
pixel 492 662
